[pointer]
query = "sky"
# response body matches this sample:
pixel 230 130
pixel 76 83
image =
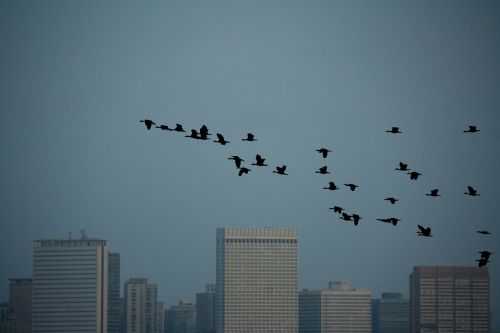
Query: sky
pixel 76 78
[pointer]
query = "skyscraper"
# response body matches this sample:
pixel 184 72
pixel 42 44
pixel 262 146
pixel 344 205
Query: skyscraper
pixel 113 292
pixel 21 298
pixel 391 314
pixel 181 318
pixel 338 309
pixel 141 300
pixel 256 280
pixel 205 310
pixel 450 299
pixel 70 285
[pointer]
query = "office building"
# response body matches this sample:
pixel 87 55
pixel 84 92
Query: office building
pixel 256 277
pixel 338 309
pixel 205 310
pixel 391 314
pixel 141 300
pixel 21 298
pixel 70 285
pixel 114 292
pixel 450 299
pixel 181 318
pixel 160 313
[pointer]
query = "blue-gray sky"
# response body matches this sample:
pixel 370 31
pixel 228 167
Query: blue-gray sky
pixel 76 77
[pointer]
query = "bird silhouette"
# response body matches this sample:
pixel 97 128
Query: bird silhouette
pixel 482 262
pixel 204 131
pixel 485 254
pixel 483 232
pixel 178 128
pixel 434 193
pixel 414 175
pixel 164 128
pixel 237 160
pixel 243 170
pixel 392 200
pixel 471 191
pixel 394 221
pixel 259 160
pixel 280 170
pixel 221 139
pixel 323 170
pixel 402 167
pixel 331 186
pixel 324 152
pixel 148 123
pixel 394 130
pixel 337 209
pixel 250 137
pixel 356 218
pixel 193 135
pixel 346 217
pixel 426 232
pixel 351 186
pixel 472 129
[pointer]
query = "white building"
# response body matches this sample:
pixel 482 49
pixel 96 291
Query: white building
pixel 256 279
pixel 141 300
pixel 70 281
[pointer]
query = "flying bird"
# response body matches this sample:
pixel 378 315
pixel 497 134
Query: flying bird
pixel 351 186
pixel 193 135
pixel 164 128
pixel 392 220
pixel 178 128
pixel 243 171
pixel 346 217
pixel 482 262
pixel 414 175
pixel 394 130
pixel 472 129
pixel 259 160
pixel 402 167
pixel 331 186
pixel 337 209
pixel 392 200
pixel 324 152
pixel 204 131
pixel 471 191
pixel 485 254
pixel 237 160
pixel 483 232
pixel 280 170
pixel 221 140
pixel 323 170
pixel 250 137
pixel 356 218
pixel 424 231
pixel 434 193
pixel 148 123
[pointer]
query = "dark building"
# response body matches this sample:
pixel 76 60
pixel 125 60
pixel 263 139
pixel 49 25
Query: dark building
pixel 205 310
pixel 114 319
pixel 21 299
pixel 181 318
pixel 391 314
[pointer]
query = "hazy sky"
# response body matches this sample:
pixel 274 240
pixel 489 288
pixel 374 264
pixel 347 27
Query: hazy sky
pixel 76 78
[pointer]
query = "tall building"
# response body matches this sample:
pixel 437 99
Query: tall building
pixel 160 313
pixel 70 285
pixel 114 292
pixel 338 309
pixel 256 277
pixel 181 318
pixel 450 299
pixel 21 298
pixel 141 300
pixel 205 310
pixel 391 314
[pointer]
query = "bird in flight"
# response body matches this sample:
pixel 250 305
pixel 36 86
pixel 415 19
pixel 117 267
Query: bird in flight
pixel 414 175
pixel 483 232
pixel 324 152
pixel 485 254
pixel 331 186
pixel 337 209
pixel 392 220
pixel 351 186
pixel 472 129
pixel 402 167
pixel 434 193
pixel 237 160
pixel 424 231
pixel 250 137
pixel 178 128
pixel 323 170
pixel 280 170
pixel 259 160
pixel 193 135
pixel 392 200
pixel 243 170
pixel 346 217
pixel 164 127
pixel 204 131
pixel 394 130
pixel 221 140
pixel 482 262
pixel 356 218
pixel 471 191
pixel 148 123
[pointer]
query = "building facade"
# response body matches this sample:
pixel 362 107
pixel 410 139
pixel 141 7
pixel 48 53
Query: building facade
pixel 70 282
pixel 181 318
pixel 141 300
pixel 114 292
pixel 205 310
pixel 338 309
pixel 256 280
pixel 450 299
pixel 21 298
pixel 391 314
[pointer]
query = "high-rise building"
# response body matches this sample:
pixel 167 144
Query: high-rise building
pixel 205 310
pixel 256 277
pixel 391 314
pixel 21 298
pixel 450 299
pixel 160 313
pixel 70 286
pixel 141 300
pixel 114 292
pixel 338 309
pixel 181 318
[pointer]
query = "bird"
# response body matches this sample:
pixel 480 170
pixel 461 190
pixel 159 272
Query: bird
pixel 346 217
pixel 331 186
pixel 193 135
pixel 482 262
pixel 392 220
pixel 356 218
pixel 281 170
pixel 323 151
pixel 164 128
pixel 243 170
pixel 483 232
pixel 250 137
pixel 204 131
pixel 351 186
pixel 424 231
pixel 337 209
pixel 237 160
pixel 471 191
pixel 392 200
pixel 472 129
pixel 221 139
pixel 148 123
pixel 394 130
pixel 323 170
pixel 434 193
pixel 414 175
pixel 178 128
pixel 259 160
pixel 402 167
pixel 485 254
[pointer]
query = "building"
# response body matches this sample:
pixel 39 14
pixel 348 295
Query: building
pixel 338 309
pixel 141 300
pixel 205 310
pixel 21 298
pixel 114 319
pixel 160 313
pixel 181 318
pixel 70 285
pixel 256 277
pixel 450 299
pixel 391 314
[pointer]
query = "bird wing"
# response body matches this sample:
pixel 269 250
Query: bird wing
pixel 422 229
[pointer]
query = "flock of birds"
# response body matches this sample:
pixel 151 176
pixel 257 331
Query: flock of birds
pixel 203 134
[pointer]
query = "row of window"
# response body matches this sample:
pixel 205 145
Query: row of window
pixel 260 241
